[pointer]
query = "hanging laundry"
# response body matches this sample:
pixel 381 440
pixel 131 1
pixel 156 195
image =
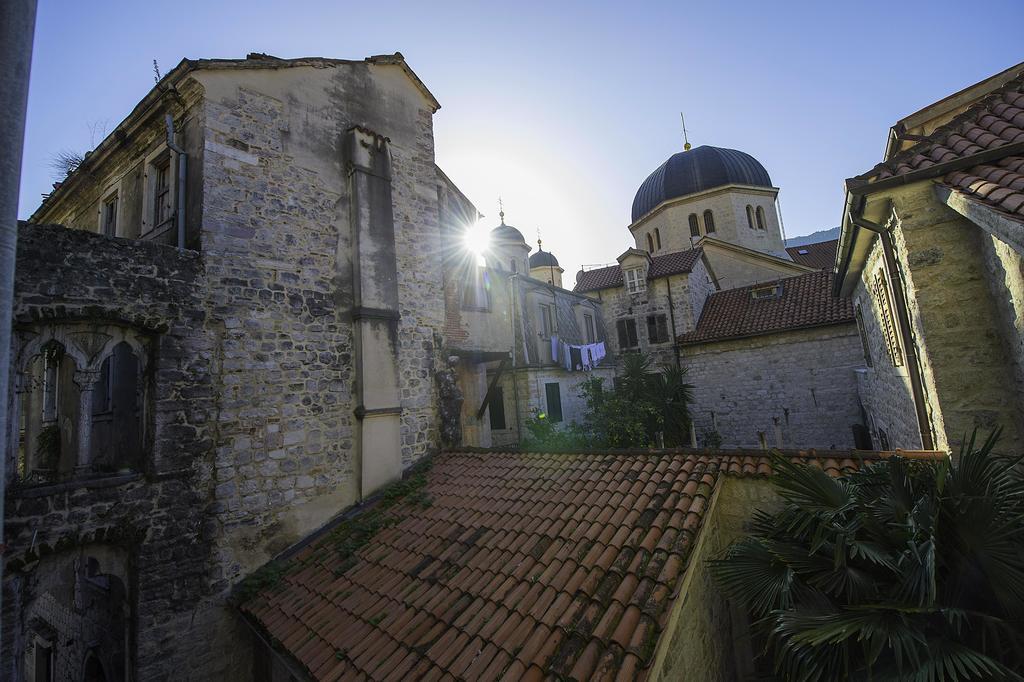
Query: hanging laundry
pixel 554 347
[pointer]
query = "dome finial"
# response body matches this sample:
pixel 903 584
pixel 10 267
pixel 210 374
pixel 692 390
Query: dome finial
pixel 539 242
pixel 501 210
pixel 686 139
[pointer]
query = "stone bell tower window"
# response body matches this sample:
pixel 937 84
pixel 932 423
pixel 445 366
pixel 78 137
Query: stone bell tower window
pixel 709 221
pixel 694 225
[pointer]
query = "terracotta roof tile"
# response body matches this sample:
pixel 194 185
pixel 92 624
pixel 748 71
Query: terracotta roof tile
pixel 676 263
pixel 820 255
pixel 804 301
pixel 450 593
pixel 993 122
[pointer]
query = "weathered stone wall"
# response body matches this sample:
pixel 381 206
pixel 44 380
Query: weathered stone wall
pixel 799 386
pixel 707 638
pixel 956 323
pixel 618 304
pixel 278 246
pixel 885 391
pixel 1005 275
pixel 153 515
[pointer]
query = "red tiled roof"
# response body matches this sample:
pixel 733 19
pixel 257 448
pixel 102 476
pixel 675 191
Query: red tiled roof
pixel 522 566
pixel 992 123
pixel 678 262
pixel 820 255
pixel 805 301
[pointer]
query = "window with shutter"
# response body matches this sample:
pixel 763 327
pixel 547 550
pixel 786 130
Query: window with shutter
pixel 892 341
pixel 657 328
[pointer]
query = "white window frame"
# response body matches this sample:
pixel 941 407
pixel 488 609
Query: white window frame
pixel 636 280
pixel 149 178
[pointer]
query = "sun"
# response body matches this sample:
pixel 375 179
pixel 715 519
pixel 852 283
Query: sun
pixel 477 240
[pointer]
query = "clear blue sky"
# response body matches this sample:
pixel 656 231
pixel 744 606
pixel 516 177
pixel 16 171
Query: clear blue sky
pixel 564 108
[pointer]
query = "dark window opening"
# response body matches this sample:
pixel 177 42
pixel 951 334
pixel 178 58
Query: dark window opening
pixel 650 244
pixel 110 216
pixel 627 333
pixel 657 328
pixel 162 191
pixel 694 225
pixel 657 237
pixel 43 663
pixel 750 216
pixel 496 408
pixel 553 394
pixel 709 221
pixel 858 313
pixel 760 218
pixel 588 323
pixel 547 321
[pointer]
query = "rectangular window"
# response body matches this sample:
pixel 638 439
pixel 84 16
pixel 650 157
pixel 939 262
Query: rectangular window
pixel 108 216
pixel 635 280
pixel 588 324
pixel 627 333
pixel 554 397
pixel 657 328
pixel 892 341
pixel 161 191
pixel 547 320
pixel 496 408
pixel 474 295
pixel 863 336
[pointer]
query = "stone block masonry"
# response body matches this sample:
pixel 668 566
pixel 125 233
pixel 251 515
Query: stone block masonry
pixel 797 387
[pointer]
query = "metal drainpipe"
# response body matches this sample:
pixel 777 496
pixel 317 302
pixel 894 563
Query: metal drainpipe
pixel 903 317
pixel 17 27
pixel 182 168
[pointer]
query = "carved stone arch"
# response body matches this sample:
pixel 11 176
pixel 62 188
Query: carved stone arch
pixel 43 336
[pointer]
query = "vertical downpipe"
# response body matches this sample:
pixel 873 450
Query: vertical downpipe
pixel 182 172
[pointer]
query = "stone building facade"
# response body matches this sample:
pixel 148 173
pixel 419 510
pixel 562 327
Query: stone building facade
pixel 501 322
pixel 284 361
pixel 774 361
pixel 930 253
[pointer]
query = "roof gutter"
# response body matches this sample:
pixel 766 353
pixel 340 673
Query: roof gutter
pixel 903 318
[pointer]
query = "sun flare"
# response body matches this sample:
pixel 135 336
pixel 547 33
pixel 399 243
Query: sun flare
pixel 477 240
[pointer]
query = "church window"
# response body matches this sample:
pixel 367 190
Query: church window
pixel 750 216
pixel 858 313
pixel 657 238
pixel 650 244
pixel 709 222
pixel 588 324
pixel 514 268
pixel 888 322
pixel 694 226
pixel 553 394
pixel 657 329
pixel 496 408
pixel 627 333
pixel 635 281
pixel 760 218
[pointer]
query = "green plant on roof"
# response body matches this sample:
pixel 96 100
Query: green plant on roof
pixel 904 570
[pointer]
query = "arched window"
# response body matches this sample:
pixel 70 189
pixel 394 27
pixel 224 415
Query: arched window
pixel 116 414
pixel 650 243
pixel 48 422
pixel 760 218
pixel 750 216
pixel 657 237
pixel 694 226
pixel 709 222
pixel 514 269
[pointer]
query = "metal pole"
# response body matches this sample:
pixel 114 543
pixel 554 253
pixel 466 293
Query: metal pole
pixel 17 25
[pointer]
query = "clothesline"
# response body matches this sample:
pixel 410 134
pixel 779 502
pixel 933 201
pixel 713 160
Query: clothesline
pixel 577 357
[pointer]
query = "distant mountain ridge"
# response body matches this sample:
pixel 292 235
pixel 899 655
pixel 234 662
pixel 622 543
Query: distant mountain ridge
pixel 814 237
